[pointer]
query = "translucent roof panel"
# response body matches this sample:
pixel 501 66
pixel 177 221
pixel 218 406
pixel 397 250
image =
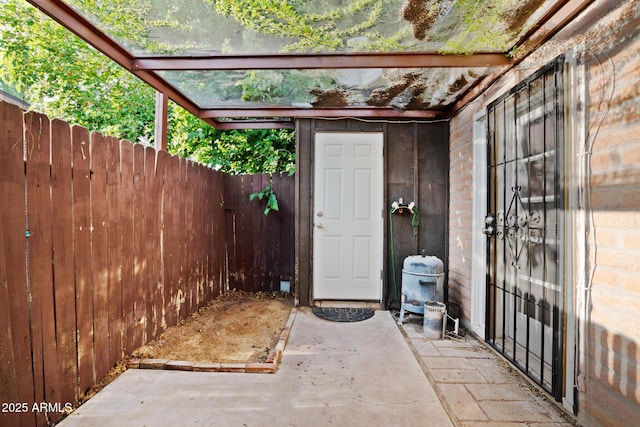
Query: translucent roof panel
pixel 245 27
pixel 401 89
pixel 249 60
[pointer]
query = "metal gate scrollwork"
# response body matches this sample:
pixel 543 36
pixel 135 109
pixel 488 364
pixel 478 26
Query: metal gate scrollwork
pixel 523 228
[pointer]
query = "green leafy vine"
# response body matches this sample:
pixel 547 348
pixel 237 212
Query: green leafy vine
pixel 268 194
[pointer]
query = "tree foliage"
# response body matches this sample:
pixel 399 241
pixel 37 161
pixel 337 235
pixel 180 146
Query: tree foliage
pixel 252 151
pixel 324 31
pixel 62 76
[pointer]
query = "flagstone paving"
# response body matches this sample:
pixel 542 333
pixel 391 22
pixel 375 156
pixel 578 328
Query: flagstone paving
pixel 478 388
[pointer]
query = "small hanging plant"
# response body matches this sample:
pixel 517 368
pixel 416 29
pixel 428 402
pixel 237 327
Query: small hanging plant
pixel 272 200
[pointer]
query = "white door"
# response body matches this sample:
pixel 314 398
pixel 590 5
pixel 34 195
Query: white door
pixel 347 216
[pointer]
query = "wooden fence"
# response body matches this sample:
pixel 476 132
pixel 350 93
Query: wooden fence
pixel 260 248
pixel 103 245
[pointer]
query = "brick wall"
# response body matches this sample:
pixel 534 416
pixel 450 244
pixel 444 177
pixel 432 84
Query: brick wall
pixel 460 211
pixel 611 393
pixel 608 35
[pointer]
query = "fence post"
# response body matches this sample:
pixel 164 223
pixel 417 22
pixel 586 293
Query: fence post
pixel 162 105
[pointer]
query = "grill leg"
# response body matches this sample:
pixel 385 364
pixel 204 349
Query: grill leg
pixel 401 315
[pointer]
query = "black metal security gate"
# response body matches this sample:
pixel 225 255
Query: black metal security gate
pixel 526 201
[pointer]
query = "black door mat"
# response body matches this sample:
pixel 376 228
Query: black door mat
pixel 341 314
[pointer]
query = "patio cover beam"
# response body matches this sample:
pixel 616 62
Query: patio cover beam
pixel 322 61
pixel 366 112
pixel 235 125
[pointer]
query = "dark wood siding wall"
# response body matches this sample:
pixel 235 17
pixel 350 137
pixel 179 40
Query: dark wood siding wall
pixel 416 169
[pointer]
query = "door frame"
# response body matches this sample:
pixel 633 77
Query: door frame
pixel 479 239
pixel 381 229
pixel 576 233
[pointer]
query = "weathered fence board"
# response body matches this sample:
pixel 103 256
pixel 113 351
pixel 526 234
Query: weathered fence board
pixel 190 277
pixel 162 293
pixel 63 276
pixel 159 322
pixel 99 249
pixel 205 228
pixel 40 279
pixel 139 261
pixel 126 225
pixel 200 233
pixel 285 187
pixel 170 237
pixel 114 251
pixel 154 192
pixel 149 222
pixel 228 202
pixel 82 255
pixel 216 216
pixel 181 260
pixel 104 244
pixel 217 237
pixel 15 347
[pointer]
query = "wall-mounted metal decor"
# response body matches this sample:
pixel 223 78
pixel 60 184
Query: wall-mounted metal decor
pixel 525 223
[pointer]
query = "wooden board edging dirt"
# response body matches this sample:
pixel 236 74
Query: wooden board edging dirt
pixel 270 366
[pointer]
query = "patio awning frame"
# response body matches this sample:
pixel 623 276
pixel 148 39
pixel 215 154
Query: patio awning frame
pixel 147 68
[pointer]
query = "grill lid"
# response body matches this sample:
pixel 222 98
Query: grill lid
pixel 419 264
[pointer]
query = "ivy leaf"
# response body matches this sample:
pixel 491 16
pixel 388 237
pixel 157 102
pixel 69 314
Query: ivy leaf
pixel 273 202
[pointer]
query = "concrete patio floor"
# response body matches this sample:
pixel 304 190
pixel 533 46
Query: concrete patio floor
pixel 478 388
pixel 368 373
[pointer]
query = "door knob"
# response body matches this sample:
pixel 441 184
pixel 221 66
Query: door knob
pixel 490 219
pixel 489 231
pixel 319 213
pixel 319 225
pixel 490 228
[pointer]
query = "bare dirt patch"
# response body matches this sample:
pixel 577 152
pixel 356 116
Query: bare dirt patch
pixel 236 327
